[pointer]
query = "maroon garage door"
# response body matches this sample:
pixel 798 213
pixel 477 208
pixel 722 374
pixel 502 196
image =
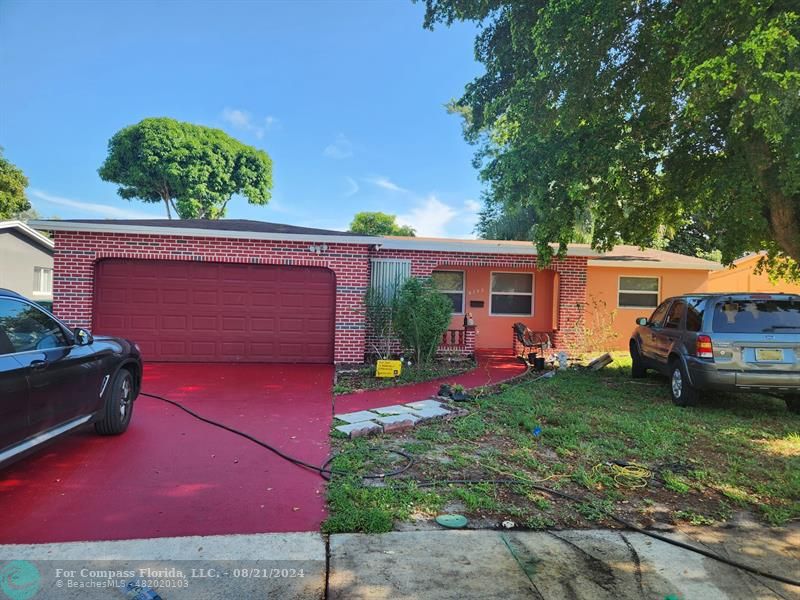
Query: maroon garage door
pixel 216 312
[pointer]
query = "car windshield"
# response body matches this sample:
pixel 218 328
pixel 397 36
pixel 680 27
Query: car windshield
pixel 757 315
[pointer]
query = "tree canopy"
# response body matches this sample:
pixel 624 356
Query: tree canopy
pixel 650 114
pixel 378 223
pixel 193 170
pixel 12 189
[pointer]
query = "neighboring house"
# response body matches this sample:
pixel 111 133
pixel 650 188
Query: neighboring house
pixel 237 290
pixel 741 277
pixel 26 261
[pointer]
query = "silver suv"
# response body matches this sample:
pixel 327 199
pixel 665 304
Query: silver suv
pixel 728 342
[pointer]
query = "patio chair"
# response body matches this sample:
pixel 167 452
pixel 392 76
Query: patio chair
pixel 532 343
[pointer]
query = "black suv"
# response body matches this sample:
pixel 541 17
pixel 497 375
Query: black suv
pixel 732 342
pixel 53 379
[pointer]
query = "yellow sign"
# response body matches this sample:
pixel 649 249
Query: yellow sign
pixel 388 368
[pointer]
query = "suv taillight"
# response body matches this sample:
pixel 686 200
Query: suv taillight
pixel 704 347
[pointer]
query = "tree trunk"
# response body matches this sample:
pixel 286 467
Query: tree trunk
pixel 779 209
pixel 166 203
pixel 783 223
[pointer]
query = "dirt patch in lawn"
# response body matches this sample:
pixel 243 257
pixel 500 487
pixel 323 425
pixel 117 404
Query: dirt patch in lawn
pixel 585 434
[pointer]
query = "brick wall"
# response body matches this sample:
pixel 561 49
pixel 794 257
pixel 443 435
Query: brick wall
pixel 76 254
pixel 571 279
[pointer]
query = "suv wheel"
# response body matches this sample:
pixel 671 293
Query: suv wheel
pixel 638 370
pixel 793 403
pixel 682 392
pixel 119 405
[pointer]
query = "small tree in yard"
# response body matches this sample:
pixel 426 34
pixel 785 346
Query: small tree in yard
pixel 380 311
pixel 422 316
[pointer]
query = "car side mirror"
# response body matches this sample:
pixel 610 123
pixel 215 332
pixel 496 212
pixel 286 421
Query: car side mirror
pixel 83 337
pixel 642 321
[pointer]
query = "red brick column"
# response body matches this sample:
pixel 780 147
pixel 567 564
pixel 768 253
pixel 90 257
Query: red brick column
pixel 571 300
pixel 469 340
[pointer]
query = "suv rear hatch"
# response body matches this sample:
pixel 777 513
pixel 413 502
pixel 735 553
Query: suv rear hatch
pixel 758 336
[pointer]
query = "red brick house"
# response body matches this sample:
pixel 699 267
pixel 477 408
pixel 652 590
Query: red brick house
pixel 236 290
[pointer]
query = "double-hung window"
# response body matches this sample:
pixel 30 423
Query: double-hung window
pixel 42 280
pixel 512 294
pixel 451 284
pixel 638 292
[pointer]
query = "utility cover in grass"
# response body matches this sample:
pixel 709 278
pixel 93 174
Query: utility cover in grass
pixel 452 521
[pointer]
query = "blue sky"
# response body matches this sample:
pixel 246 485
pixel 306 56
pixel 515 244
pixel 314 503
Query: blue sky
pixel 346 97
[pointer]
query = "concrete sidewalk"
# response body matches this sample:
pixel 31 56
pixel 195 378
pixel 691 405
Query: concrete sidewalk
pixel 423 565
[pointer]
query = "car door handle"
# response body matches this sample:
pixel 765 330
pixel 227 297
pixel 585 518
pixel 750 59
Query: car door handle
pixel 39 365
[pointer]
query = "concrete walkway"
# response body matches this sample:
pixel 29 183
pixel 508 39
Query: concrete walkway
pixel 420 565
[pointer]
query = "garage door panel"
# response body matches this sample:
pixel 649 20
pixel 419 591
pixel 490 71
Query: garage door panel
pixel 143 322
pixel 189 311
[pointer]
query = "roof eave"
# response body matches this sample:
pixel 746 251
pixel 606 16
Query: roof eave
pixel 482 247
pixel 649 264
pixel 196 232
pixel 27 230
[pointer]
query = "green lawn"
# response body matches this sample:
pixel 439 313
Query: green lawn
pixel 730 452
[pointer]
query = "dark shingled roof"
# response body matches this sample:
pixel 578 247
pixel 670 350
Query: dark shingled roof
pixel 218 225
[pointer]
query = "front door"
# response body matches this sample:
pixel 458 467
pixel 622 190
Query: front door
pixel 671 331
pixel 649 336
pixel 62 377
pixel 14 400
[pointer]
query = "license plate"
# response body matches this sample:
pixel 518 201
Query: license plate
pixel 768 354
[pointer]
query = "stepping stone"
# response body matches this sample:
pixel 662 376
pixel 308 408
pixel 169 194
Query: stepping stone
pixel 397 422
pixel 420 404
pixel 395 409
pixel 429 409
pixel 356 417
pixel 360 429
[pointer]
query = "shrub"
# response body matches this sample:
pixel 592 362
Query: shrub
pixel 380 306
pixel 422 316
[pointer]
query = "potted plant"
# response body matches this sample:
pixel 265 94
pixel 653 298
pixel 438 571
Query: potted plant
pixel 459 394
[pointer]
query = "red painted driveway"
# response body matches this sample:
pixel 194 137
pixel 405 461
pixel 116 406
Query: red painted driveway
pixel 171 475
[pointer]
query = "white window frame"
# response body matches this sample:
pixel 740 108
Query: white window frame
pixel 462 291
pixel 532 293
pixel 41 271
pixel 643 292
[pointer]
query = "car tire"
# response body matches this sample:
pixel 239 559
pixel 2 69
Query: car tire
pixel 793 403
pixel 119 405
pixel 682 392
pixel 638 370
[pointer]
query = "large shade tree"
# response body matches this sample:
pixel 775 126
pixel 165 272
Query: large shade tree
pixel 650 113
pixel 193 170
pixel 12 189
pixel 378 223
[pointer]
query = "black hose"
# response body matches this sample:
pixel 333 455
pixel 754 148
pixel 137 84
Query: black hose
pixel 321 470
pixel 326 473
pixel 620 520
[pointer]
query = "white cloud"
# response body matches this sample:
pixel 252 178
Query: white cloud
pixel 105 210
pixel 430 217
pixel 340 148
pixel 352 187
pixel 244 121
pixel 386 183
pixel 472 206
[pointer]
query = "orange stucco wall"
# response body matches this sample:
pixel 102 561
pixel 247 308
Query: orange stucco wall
pixel 495 331
pixel 601 296
pixel 742 279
